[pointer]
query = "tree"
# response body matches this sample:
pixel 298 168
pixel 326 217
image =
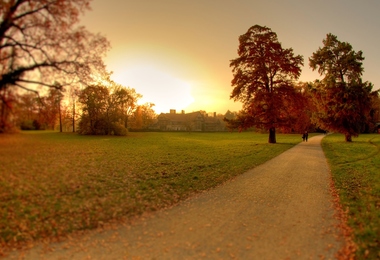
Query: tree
pixel 7 100
pixel 33 112
pixel 125 101
pixel 300 111
pixel 40 45
pixel 94 101
pixel 73 96
pixel 66 117
pixel 49 109
pixel 137 119
pixel 375 111
pixel 263 80
pixel 342 99
pixel 106 109
pixel 26 111
pixel 143 116
pixel 148 114
pixel 230 115
pixel 228 118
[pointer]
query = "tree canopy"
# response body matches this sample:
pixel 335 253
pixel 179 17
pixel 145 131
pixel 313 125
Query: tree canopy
pixel 341 98
pixel 337 61
pixel 263 80
pixel 40 45
pixel 106 109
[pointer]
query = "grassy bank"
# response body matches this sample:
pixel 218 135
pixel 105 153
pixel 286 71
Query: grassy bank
pixel 356 172
pixel 55 183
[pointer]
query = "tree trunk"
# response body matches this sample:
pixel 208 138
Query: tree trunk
pixel 3 119
pixel 348 137
pixel 272 135
pixel 60 116
pixel 73 116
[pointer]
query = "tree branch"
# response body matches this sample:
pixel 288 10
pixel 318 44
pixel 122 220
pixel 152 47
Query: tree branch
pixel 28 89
pixel 40 83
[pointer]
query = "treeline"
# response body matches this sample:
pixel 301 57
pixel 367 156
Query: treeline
pixel 265 80
pixel 310 107
pixel 95 110
pixel 112 110
pixel 43 48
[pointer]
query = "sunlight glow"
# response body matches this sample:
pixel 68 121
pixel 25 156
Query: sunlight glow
pixel 164 90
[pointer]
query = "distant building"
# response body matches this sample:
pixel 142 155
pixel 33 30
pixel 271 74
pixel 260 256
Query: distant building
pixel 196 121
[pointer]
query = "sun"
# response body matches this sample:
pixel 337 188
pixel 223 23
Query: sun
pixel 157 86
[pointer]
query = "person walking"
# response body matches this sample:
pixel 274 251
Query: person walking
pixel 305 136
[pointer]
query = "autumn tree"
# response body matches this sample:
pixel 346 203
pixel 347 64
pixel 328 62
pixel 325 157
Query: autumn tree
pixel 375 111
pixel 148 114
pixel 342 99
pixel 40 45
pixel 125 99
pixel 228 118
pixel 373 119
pixel 230 115
pixel 106 109
pixel 66 117
pixel 7 102
pixel 49 108
pixel 300 110
pixel 72 98
pixel 94 102
pixel 263 80
pixel 143 116
pixel 34 112
pixel 25 110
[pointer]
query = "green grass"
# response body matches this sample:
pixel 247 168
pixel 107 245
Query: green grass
pixel 54 183
pixel 356 172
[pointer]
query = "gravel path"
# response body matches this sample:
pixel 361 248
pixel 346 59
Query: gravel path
pixel 280 210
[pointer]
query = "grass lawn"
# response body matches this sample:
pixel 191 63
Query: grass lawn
pixel 54 183
pixel 356 172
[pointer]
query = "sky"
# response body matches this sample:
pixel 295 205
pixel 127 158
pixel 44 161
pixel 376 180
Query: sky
pixel 176 53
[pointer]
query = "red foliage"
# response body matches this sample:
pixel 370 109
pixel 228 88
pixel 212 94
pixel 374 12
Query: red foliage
pixel 264 75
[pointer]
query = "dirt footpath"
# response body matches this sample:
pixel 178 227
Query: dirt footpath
pixel 280 210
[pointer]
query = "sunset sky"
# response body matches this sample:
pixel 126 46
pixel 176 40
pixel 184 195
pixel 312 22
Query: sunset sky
pixel 176 53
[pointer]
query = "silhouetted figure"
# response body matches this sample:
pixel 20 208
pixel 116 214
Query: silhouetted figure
pixel 305 136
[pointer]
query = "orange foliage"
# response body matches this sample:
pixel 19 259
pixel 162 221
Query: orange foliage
pixel 264 75
pixel 40 45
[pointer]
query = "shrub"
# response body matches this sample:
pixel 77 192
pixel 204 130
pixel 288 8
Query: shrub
pixel 27 125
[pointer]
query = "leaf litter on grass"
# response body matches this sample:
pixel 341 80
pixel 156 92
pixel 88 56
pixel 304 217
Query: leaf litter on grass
pixel 54 184
pixel 354 168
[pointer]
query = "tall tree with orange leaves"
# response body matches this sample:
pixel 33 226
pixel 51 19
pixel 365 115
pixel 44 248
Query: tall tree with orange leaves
pixel 264 76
